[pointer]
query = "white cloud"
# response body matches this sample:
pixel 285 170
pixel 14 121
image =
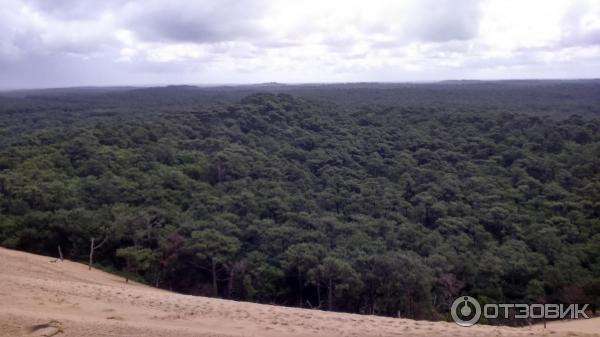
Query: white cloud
pixel 210 41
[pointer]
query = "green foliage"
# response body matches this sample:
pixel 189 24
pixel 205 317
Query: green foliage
pixel 138 259
pixel 211 245
pixel 389 208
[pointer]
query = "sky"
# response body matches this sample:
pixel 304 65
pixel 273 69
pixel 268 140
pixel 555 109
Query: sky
pixel 58 43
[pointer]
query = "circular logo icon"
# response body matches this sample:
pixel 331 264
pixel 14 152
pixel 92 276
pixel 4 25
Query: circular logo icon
pixel 465 311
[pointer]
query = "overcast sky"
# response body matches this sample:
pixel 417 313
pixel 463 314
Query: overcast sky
pixel 53 43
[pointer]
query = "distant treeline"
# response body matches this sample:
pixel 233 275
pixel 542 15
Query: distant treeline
pixel 556 98
pixel 386 208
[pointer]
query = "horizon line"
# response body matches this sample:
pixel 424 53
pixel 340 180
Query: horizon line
pixel 275 83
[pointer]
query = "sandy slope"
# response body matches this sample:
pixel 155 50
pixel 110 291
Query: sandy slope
pixel 43 298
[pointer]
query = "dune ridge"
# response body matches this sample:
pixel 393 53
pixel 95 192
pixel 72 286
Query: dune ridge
pixel 44 297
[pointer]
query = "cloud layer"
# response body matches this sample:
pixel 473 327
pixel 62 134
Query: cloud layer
pixel 68 42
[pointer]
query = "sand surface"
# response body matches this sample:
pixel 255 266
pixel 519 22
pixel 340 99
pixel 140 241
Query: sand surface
pixel 43 298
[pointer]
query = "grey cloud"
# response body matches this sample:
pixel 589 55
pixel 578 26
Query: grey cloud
pixel 24 34
pixel 517 58
pixel 445 20
pixel 581 38
pixel 17 34
pixel 77 42
pixel 195 21
pixel 591 38
pixel 73 9
pixel 339 43
pixel 36 70
pixel 434 21
pixel 574 33
pixel 46 70
pixel 450 20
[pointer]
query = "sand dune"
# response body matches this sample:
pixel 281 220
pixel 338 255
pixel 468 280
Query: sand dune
pixel 43 298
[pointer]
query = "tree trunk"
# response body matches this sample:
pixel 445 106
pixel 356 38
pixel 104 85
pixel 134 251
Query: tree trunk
pixel 91 254
pixel 92 248
pixel 158 277
pixel 128 267
pixel 219 173
pixel 230 280
pixel 60 253
pixel 318 293
pixel 330 294
pixel 214 277
pixel 300 288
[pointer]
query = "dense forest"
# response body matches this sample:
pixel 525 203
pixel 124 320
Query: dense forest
pixel 384 199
